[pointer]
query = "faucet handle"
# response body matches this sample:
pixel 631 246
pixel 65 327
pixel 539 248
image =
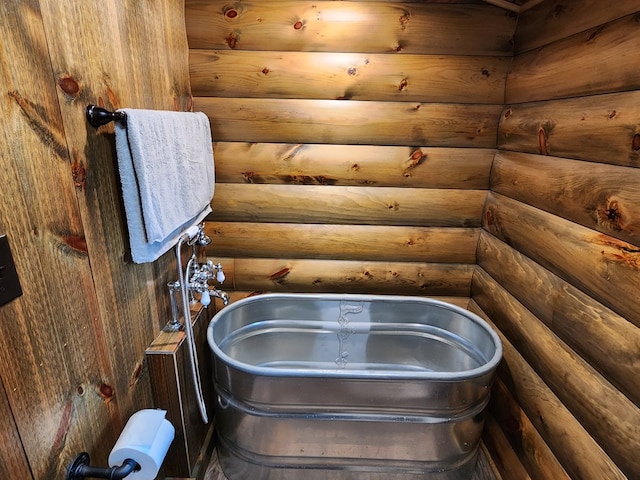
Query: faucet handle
pixel 205 298
pixel 219 273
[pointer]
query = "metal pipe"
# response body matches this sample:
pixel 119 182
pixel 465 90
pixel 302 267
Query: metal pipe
pixel 174 324
pixel 80 469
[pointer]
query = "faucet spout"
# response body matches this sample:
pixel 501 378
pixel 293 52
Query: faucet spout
pixel 221 295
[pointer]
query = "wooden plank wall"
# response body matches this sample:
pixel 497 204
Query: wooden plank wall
pixel 172 381
pixel 559 254
pixel 72 346
pixel 353 140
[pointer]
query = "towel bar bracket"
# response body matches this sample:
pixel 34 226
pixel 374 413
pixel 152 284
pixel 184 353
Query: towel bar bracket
pixel 98 116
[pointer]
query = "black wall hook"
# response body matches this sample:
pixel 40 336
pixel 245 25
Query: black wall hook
pixel 98 116
pixel 80 469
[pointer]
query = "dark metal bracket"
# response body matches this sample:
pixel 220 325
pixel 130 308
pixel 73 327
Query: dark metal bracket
pixel 98 116
pixel 80 469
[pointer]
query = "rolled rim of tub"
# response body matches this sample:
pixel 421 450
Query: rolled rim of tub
pixel 486 361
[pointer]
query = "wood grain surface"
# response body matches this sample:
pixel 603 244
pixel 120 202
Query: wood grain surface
pixel 353 76
pixel 73 347
pixel 374 27
pixel 570 442
pixel 353 165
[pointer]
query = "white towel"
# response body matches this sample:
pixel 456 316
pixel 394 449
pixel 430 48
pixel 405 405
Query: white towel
pixel 166 169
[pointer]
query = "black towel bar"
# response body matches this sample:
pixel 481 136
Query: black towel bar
pixel 98 116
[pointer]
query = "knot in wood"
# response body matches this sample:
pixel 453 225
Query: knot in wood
pixel 542 141
pixel 79 174
pixel 106 392
pixel 69 85
pixel 231 13
pixel 232 40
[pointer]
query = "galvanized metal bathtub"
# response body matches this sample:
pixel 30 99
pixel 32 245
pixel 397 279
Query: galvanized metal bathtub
pixel 346 387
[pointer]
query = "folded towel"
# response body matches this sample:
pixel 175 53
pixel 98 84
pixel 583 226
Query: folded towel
pixel 166 169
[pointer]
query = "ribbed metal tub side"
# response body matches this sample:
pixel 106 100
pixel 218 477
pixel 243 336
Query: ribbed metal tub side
pixel 399 394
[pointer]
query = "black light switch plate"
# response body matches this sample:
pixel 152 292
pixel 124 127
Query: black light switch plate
pixel 10 288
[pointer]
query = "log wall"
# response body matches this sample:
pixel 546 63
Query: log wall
pixel 558 258
pixel 352 149
pixel 72 346
pixel 354 160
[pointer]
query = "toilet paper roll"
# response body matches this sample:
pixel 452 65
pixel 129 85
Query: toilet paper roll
pixel 146 439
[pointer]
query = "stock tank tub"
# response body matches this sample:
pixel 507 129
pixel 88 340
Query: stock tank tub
pixel 346 387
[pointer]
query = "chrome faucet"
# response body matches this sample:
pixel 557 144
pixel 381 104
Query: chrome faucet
pixel 199 277
pixel 196 277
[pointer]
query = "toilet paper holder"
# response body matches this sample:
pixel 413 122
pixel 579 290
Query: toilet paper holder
pixel 80 469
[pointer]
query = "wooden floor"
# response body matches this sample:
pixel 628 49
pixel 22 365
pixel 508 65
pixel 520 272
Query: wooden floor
pixel 483 469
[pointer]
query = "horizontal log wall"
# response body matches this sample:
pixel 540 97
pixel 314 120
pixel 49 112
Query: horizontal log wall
pixel 252 275
pixel 351 122
pixel 357 165
pixel 590 62
pixel 560 19
pixel 559 255
pixel 512 423
pixel 349 205
pixel 385 26
pixel 572 445
pixel 380 77
pixel 599 128
pixel 353 151
pixel 602 197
